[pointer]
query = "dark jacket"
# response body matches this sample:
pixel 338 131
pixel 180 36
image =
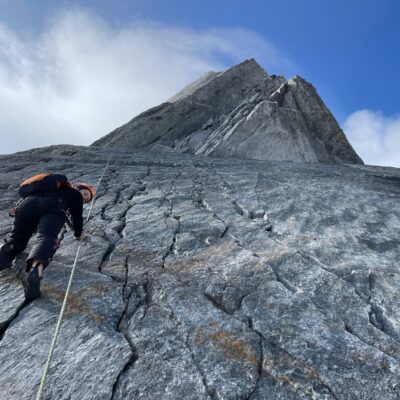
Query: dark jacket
pixel 73 202
pixel 58 185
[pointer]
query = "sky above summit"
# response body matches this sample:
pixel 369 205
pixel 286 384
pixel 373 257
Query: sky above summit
pixel 72 71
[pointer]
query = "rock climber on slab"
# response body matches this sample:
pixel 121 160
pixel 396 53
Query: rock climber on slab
pixel 46 199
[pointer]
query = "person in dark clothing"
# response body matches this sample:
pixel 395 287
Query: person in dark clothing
pixel 43 211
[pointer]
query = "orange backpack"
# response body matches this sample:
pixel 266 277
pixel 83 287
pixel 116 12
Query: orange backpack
pixel 43 183
pixel 35 178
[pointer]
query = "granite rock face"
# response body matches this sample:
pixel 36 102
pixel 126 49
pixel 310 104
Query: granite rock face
pixel 207 278
pixel 241 112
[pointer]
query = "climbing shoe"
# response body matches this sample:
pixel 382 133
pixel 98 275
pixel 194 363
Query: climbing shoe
pixel 6 256
pixel 32 290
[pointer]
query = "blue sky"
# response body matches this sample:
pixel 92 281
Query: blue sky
pixel 347 49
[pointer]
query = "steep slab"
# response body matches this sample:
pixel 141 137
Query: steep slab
pixel 209 278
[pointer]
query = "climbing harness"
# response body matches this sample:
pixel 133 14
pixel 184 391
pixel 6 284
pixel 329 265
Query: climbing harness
pixel 60 317
pixel 12 211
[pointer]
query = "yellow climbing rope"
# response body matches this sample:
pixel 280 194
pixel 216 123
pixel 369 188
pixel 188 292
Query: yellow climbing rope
pixel 60 317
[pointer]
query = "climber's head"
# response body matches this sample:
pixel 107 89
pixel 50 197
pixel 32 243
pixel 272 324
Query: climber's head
pixel 86 190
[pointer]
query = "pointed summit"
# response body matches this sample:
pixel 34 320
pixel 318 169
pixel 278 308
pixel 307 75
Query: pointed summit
pixel 241 112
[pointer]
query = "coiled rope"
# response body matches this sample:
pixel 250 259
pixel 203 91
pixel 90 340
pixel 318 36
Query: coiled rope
pixel 60 317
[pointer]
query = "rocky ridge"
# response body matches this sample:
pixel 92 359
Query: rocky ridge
pixel 207 278
pixel 241 112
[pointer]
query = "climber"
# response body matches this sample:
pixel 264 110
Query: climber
pixel 46 199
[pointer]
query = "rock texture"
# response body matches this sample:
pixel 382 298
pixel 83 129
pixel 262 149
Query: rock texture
pixel 241 112
pixel 205 278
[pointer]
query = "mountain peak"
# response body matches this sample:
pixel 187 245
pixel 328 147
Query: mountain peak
pixel 241 112
pixel 250 64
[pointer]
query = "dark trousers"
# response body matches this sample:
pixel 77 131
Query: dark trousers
pixel 43 215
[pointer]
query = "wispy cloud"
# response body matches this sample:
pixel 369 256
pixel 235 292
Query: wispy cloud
pixel 375 137
pixel 82 77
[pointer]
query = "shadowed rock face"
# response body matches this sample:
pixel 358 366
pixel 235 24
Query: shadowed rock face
pixel 241 112
pixel 205 278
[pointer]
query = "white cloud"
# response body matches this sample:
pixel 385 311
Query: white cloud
pixel 82 77
pixel 375 137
